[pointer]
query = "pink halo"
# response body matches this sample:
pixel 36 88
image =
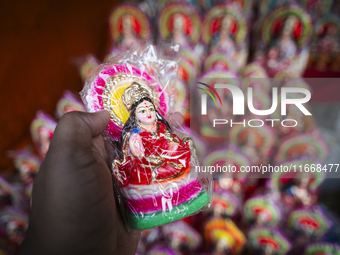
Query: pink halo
pixel 94 95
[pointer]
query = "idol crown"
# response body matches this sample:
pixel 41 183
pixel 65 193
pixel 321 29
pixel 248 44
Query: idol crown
pixel 137 91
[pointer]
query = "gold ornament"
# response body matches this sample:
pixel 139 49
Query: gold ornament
pixel 136 91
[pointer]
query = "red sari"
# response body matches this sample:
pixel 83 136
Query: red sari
pixel 161 160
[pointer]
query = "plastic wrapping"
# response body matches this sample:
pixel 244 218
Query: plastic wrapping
pixel 153 164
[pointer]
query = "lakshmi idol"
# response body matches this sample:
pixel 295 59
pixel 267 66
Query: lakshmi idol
pixel 128 37
pixel 288 43
pixel 224 43
pixel 287 46
pixel 151 153
pixel 154 165
pixel 179 36
pixel 154 169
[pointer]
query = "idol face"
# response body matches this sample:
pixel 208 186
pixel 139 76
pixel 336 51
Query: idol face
pixel 146 113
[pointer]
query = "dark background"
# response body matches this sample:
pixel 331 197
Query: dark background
pixel 39 40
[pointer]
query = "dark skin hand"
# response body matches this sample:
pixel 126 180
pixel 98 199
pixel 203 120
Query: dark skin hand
pixel 73 205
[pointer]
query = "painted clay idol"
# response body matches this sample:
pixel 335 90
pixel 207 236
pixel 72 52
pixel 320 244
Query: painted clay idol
pixel 308 224
pixel 327 34
pixel 299 188
pixel 111 54
pixel 230 158
pixel 180 24
pixel 68 103
pixel 256 77
pixel 317 7
pixel 261 211
pixel 87 66
pixel 322 248
pixel 161 250
pixel 224 204
pixel 180 236
pixel 151 236
pixel 9 195
pixel 256 143
pixel 266 6
pixel 129 26
pixel 304 123
pixel 244 6
pixel 192 57
pixel 225 30
pixel 286 33
pixel 326 47
pixel 180 103
pixel 27 164
pixel 153 171
pixel 42 128
pixel 259 100
pixel 219 61
pixel 268 241
pixel 14 224
pixel 200 5
pixel 153 165
pixel 223 237
pixel 309 145
pixel 254 70
pixel 186 71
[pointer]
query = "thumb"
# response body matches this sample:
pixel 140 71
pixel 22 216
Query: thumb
pixel 76 129
pixel 96 121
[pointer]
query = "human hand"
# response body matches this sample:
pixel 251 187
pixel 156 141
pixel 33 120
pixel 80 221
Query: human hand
pixel 73 205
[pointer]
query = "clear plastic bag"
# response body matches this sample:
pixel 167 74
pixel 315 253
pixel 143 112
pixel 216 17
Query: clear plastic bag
pixel 153 166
